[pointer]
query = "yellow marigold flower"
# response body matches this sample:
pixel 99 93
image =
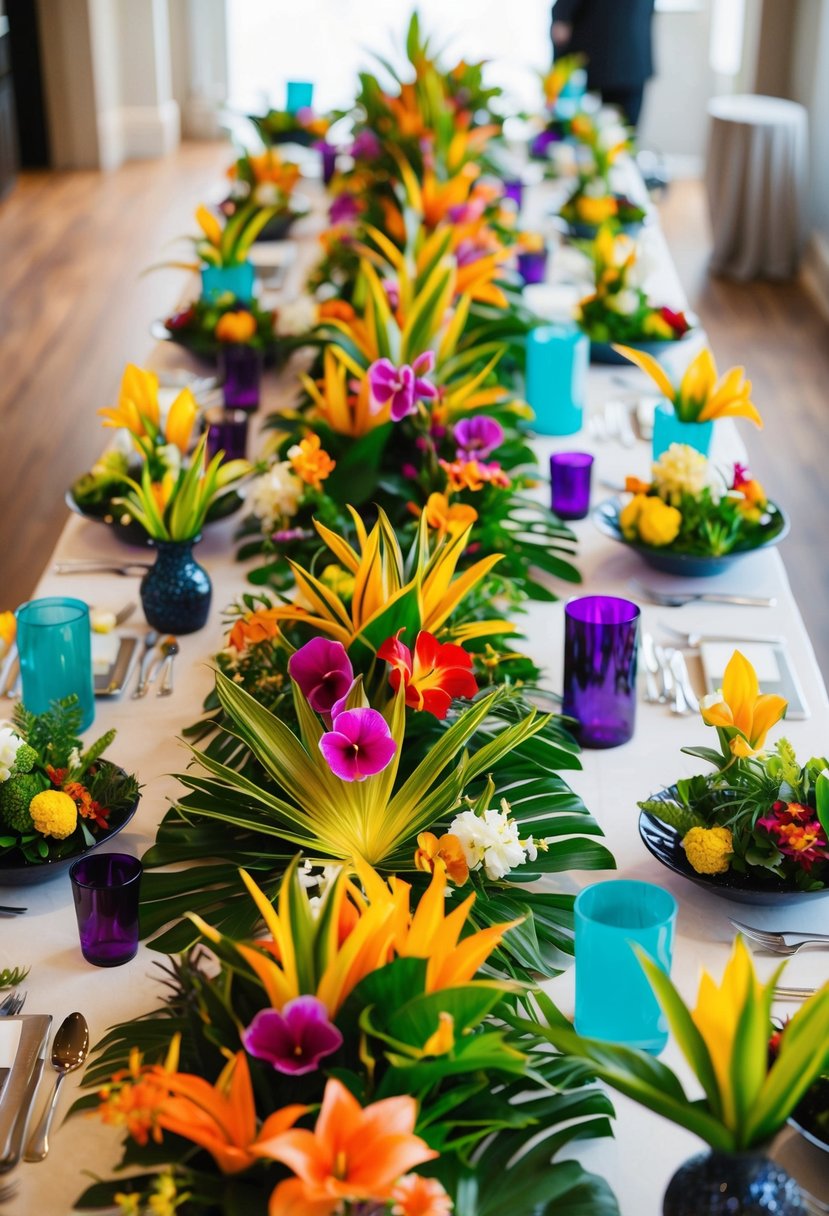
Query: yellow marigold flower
pixel 310 462
pixel 658 523
pixel 629 516
pixel 596 210
pixel 238 325
pixel 709 849
pixel 54 814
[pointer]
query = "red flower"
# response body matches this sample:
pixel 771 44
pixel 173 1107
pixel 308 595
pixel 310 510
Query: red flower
pixel 676 319
pixel 433 676
pixel 797 833
pixel 181 320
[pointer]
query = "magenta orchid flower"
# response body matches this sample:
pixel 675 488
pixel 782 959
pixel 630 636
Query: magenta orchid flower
pixel 344 209
pixel 478 436
pixel 403 386
pixel 323 671
pixel 295 1040
pixel 366 146
pixel 359 745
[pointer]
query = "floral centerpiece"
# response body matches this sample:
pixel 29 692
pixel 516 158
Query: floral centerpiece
pixel 149 446
pixel 599 145
pixel 691 507
pixel 303 126
pixel 619 309
pixel 201 328
pixel 266 180
pixel 748 1092
pixel 352 1055
pixel 222 250
pixel 555 82
pixel 57 798
pixel 761 815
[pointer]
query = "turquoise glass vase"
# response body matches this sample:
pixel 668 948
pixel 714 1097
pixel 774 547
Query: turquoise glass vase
pixel 218 281
pixel 558 357
pixel 668 429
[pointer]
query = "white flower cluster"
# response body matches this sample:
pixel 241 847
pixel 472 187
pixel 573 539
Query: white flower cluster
pixel 682 470
pixel 275 496
pixel 10 744
pixel 296 317
pixel 491 840
pixel 625 302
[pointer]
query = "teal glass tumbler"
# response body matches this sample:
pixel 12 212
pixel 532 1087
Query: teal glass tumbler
pixel 55 649
pixel 614 1001
pixel 668 429
pixel 299 95
pixel 558 358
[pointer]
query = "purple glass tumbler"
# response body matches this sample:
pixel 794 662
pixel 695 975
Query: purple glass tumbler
pixel 240 367
pixel 328 154
pixel 570 484
pixel 105 888
pixel 601 637
pixel 514 190
pixel 227 431
pixel 532 266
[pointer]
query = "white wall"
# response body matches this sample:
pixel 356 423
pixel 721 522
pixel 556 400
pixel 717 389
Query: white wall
pixel 674 119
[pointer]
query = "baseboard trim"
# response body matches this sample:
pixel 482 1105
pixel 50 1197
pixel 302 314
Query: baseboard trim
pixel 814 271
pixel 150 131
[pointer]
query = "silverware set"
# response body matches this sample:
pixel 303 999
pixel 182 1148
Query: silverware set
pixel 667 681
pixel 127 569
pixel 19 1084
pixel 156 664
pixel 788 942
pixel 678 599
pixel 612 423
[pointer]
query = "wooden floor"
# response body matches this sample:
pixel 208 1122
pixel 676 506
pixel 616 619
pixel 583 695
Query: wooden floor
pixel 74 310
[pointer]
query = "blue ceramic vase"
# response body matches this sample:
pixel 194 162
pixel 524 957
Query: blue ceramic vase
pixel 175 591
pixel 668 429
pixel 218 281
pixel 732 1184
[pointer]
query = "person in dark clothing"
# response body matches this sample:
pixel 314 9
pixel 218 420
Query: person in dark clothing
pixel 615 36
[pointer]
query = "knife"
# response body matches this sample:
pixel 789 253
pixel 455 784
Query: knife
pixel 19 1089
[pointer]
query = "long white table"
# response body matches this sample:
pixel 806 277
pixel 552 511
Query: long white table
pixel 646 1150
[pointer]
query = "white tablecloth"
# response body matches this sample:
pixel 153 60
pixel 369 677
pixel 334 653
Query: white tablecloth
pixel 646 1150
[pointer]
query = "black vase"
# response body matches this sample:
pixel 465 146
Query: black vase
pixel 175 591
pixel 732 1184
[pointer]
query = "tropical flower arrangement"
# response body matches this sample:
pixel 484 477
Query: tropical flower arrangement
pixel 303 126
pixel 618 309
pixel 599 145
pixel 556 80
pixel 223 245
pixel 353 1054
pixel 150 460
pixel 691 507
pixel 57 798
pixel 748 1092
pixel 266 180
pixel 201 326
pixel 702 395
pixel 759 814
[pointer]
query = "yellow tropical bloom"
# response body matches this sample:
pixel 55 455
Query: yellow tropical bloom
pixel 346 411
pixel 269 167
pixel 53 813
pixel 658 523
pixel 717 1017
pixel 740 710
pixel 238 325
pixel 137 409
pixel 700 396
pixel 8 630
pixel 596 210
pixel 209 224
pixel 655 326
pixel 310 462
pixel 181 419
pixel 444 518
pixel 439 197
pixel 709 849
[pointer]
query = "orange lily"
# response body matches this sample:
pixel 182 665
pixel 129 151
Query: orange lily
pixel 354 1153
pixel 701 396
pixel 744 714
pixel 445 851
pixel 137 407
pixel 438 197
pixel 445 518
pixel 254 627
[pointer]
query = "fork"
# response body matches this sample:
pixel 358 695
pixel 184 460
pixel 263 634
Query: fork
pixel 92 566
pixel 776 943
pixel 7 1192
pixel 676 599
pixel 12 1004
pixel 690 641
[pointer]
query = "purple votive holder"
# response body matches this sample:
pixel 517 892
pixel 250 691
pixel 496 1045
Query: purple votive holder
pixel 329 161
pixel 601 637
pixel 514 190
pixel 570 484
pixel 240 367
pixel 532 265
pixel 105 888
pixel 227 431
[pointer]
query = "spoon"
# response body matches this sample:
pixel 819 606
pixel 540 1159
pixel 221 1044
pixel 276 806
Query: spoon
pixel 69 1050
pixel 150 639
pixel 169 648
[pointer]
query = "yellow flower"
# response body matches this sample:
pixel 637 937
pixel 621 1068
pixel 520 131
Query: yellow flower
pixel 54 814
pixel 137 407
pixel 700 396
pixel 310 462
pixel 446 851
pixel 8 630
pixel 209 225
pixel 629 516
pixel 655 326
pixel 338 580
pixel 443 1039
pixel 180 420
pixel 709 849
pixel 717 1017
pixel 680 470
pixel 596 210
pixel 658 523
pixel 745 714
pixel 238 325
pixel 444 518
pixel 530 242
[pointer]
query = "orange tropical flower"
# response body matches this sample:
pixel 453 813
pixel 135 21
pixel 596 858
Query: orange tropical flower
pixel 473 475
pixel 596 210
pixel 310 462
pixel 8 629
pixel 446 851
pixel 353 1154
pixel 270 167
pixel 407 113
pixel 339 309
pixel 415 1195
pixel 439 197
pixel 443 517
pixel 137 407
pixel 238 325
pixel 133 1097
pixel 255 627
pixel 181 419
pixel 433 675
pixel 209 224
pixel 740 710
